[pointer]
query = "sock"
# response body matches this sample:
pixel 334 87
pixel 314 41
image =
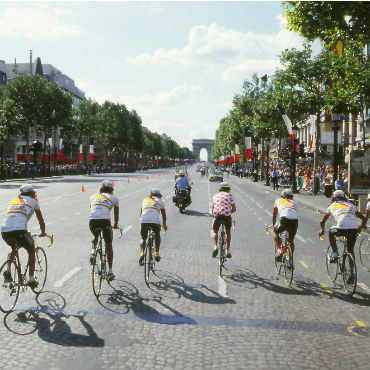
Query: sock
pixel 156 253
pixel 141 253
pixel 31 278
pixel 214 247
pixel 110 271
pixel 92 251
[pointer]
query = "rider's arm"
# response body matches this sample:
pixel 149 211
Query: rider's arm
pixel 233 208
pixel 274 215
pixel 116 217
pixel 363 219
pixel 164 218
pixel 41 221
pixel 322 223
pixel 366 217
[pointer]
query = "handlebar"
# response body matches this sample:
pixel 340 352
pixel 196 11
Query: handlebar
pixel 120 231
pixel 267 229
pixel 51 238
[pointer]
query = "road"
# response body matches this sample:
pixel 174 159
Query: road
pixel 188 317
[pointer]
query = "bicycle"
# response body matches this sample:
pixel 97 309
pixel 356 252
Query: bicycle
pixel 364 252
pixel 221 246
pixel 17 280
pixel 344 265
pixel 286 260
pixel 100 262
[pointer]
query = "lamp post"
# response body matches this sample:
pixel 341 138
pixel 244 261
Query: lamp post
pixel 295 130
pixel 336 118
pixel 268 162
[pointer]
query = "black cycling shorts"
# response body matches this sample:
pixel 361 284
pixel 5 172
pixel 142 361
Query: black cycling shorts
pixel 350 234
pixel 145 227
pixel 287 224
pixel 18 237
pixel 105 225
pixel 217 221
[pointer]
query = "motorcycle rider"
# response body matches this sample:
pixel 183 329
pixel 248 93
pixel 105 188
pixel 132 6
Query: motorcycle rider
pixel 182 183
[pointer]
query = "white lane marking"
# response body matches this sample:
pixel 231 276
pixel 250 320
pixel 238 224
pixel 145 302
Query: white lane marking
pixel 63 218
pixel 364 287
pixel 125 230
pixel 77 213
pixel 67 276
pixel 51 222
pixel 259 205
pixel 167 197
pixel 301 238
pixel 211 233
pixel 269 213
pixel 222 287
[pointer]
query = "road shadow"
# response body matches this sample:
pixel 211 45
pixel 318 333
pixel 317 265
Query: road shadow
pixel 125 298
pixel 190 212
pixel 51 323
pixel 199 293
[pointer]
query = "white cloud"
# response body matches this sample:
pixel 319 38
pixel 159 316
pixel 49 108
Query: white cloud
pixel 233 52
pixel 36 21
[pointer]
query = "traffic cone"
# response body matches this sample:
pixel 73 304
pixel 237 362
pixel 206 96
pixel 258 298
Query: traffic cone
pixel 128 180
pixel 36 197
pixel 147 178
pixel 139 178
pixel 83 188
pixel 112 182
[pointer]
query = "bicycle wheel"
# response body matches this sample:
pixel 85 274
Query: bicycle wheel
pixel 221 249
pixel 97 272
pixel 364 251
pixel 277 263
pixel 288 265
pixel 9 290
pixel 41 269
pixel 148 257
pixel 349 273
pixel 332 267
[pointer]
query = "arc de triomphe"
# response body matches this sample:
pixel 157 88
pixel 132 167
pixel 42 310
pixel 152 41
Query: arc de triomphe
pixel 199 144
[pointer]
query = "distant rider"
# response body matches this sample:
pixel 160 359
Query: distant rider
pixel 286 208
pixel 151 208
pixel 223 205
pixel 182 183
pixel 367 215
pixel 101 205
pixel 14 228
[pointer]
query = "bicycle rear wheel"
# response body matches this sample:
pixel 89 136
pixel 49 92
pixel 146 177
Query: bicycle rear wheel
pixel 148 258
pixel 332 267
pixel 97 272
pixel 277 263
pixel 9 290
pixel 288 265
pixel 41 269
pixel 349 272
pixel 364 251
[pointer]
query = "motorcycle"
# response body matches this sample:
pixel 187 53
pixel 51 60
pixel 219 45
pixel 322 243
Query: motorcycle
pixel 181 200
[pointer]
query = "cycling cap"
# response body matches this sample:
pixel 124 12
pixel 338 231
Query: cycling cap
pixel 155 192
pixel 181 173
pixel 287 192
pixel 26 188
pixel 107 184
pixel 338 193
pixel 225 185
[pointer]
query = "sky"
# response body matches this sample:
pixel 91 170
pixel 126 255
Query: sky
pixel 177 63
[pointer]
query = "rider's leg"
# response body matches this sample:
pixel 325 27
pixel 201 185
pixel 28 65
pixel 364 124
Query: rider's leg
pixel 277 240
pixel 228 239
pixel 31 261
pixel 215 238
pixel 291 243
pixel 333 242
pixel 109 249
pixel 157 241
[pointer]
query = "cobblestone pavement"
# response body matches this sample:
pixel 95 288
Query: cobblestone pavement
pixel 187 317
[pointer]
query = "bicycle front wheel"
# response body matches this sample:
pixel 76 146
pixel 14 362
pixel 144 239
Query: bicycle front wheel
pixel 332 267
pixel 364 251
pixel 288 265
pixel 9 288
pixel 41 269
pixel 97 273
pixel 349 273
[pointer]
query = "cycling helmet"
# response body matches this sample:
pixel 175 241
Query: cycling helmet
pixel 28 188
pixel 338 194
pixel 225 185
pixel 287 192
pixel 182 173
pixel 155 192
pixel 107 184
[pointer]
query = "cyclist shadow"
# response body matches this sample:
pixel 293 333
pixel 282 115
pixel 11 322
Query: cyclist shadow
pixel 200 293
pixel 125 298
pixel 191 212
pixel 359 298
pixel 248 279
pixel 50 322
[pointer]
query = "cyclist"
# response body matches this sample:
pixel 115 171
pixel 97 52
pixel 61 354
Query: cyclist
pixel 285 206
pixel 101 205
pixel 14 228
pixel 223 205
pixel 345 214
pixel 182 183
pixel 151 208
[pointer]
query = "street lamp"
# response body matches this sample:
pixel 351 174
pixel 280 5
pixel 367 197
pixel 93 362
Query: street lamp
pixel 268 162
pixel 295 130
pixel 336 118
